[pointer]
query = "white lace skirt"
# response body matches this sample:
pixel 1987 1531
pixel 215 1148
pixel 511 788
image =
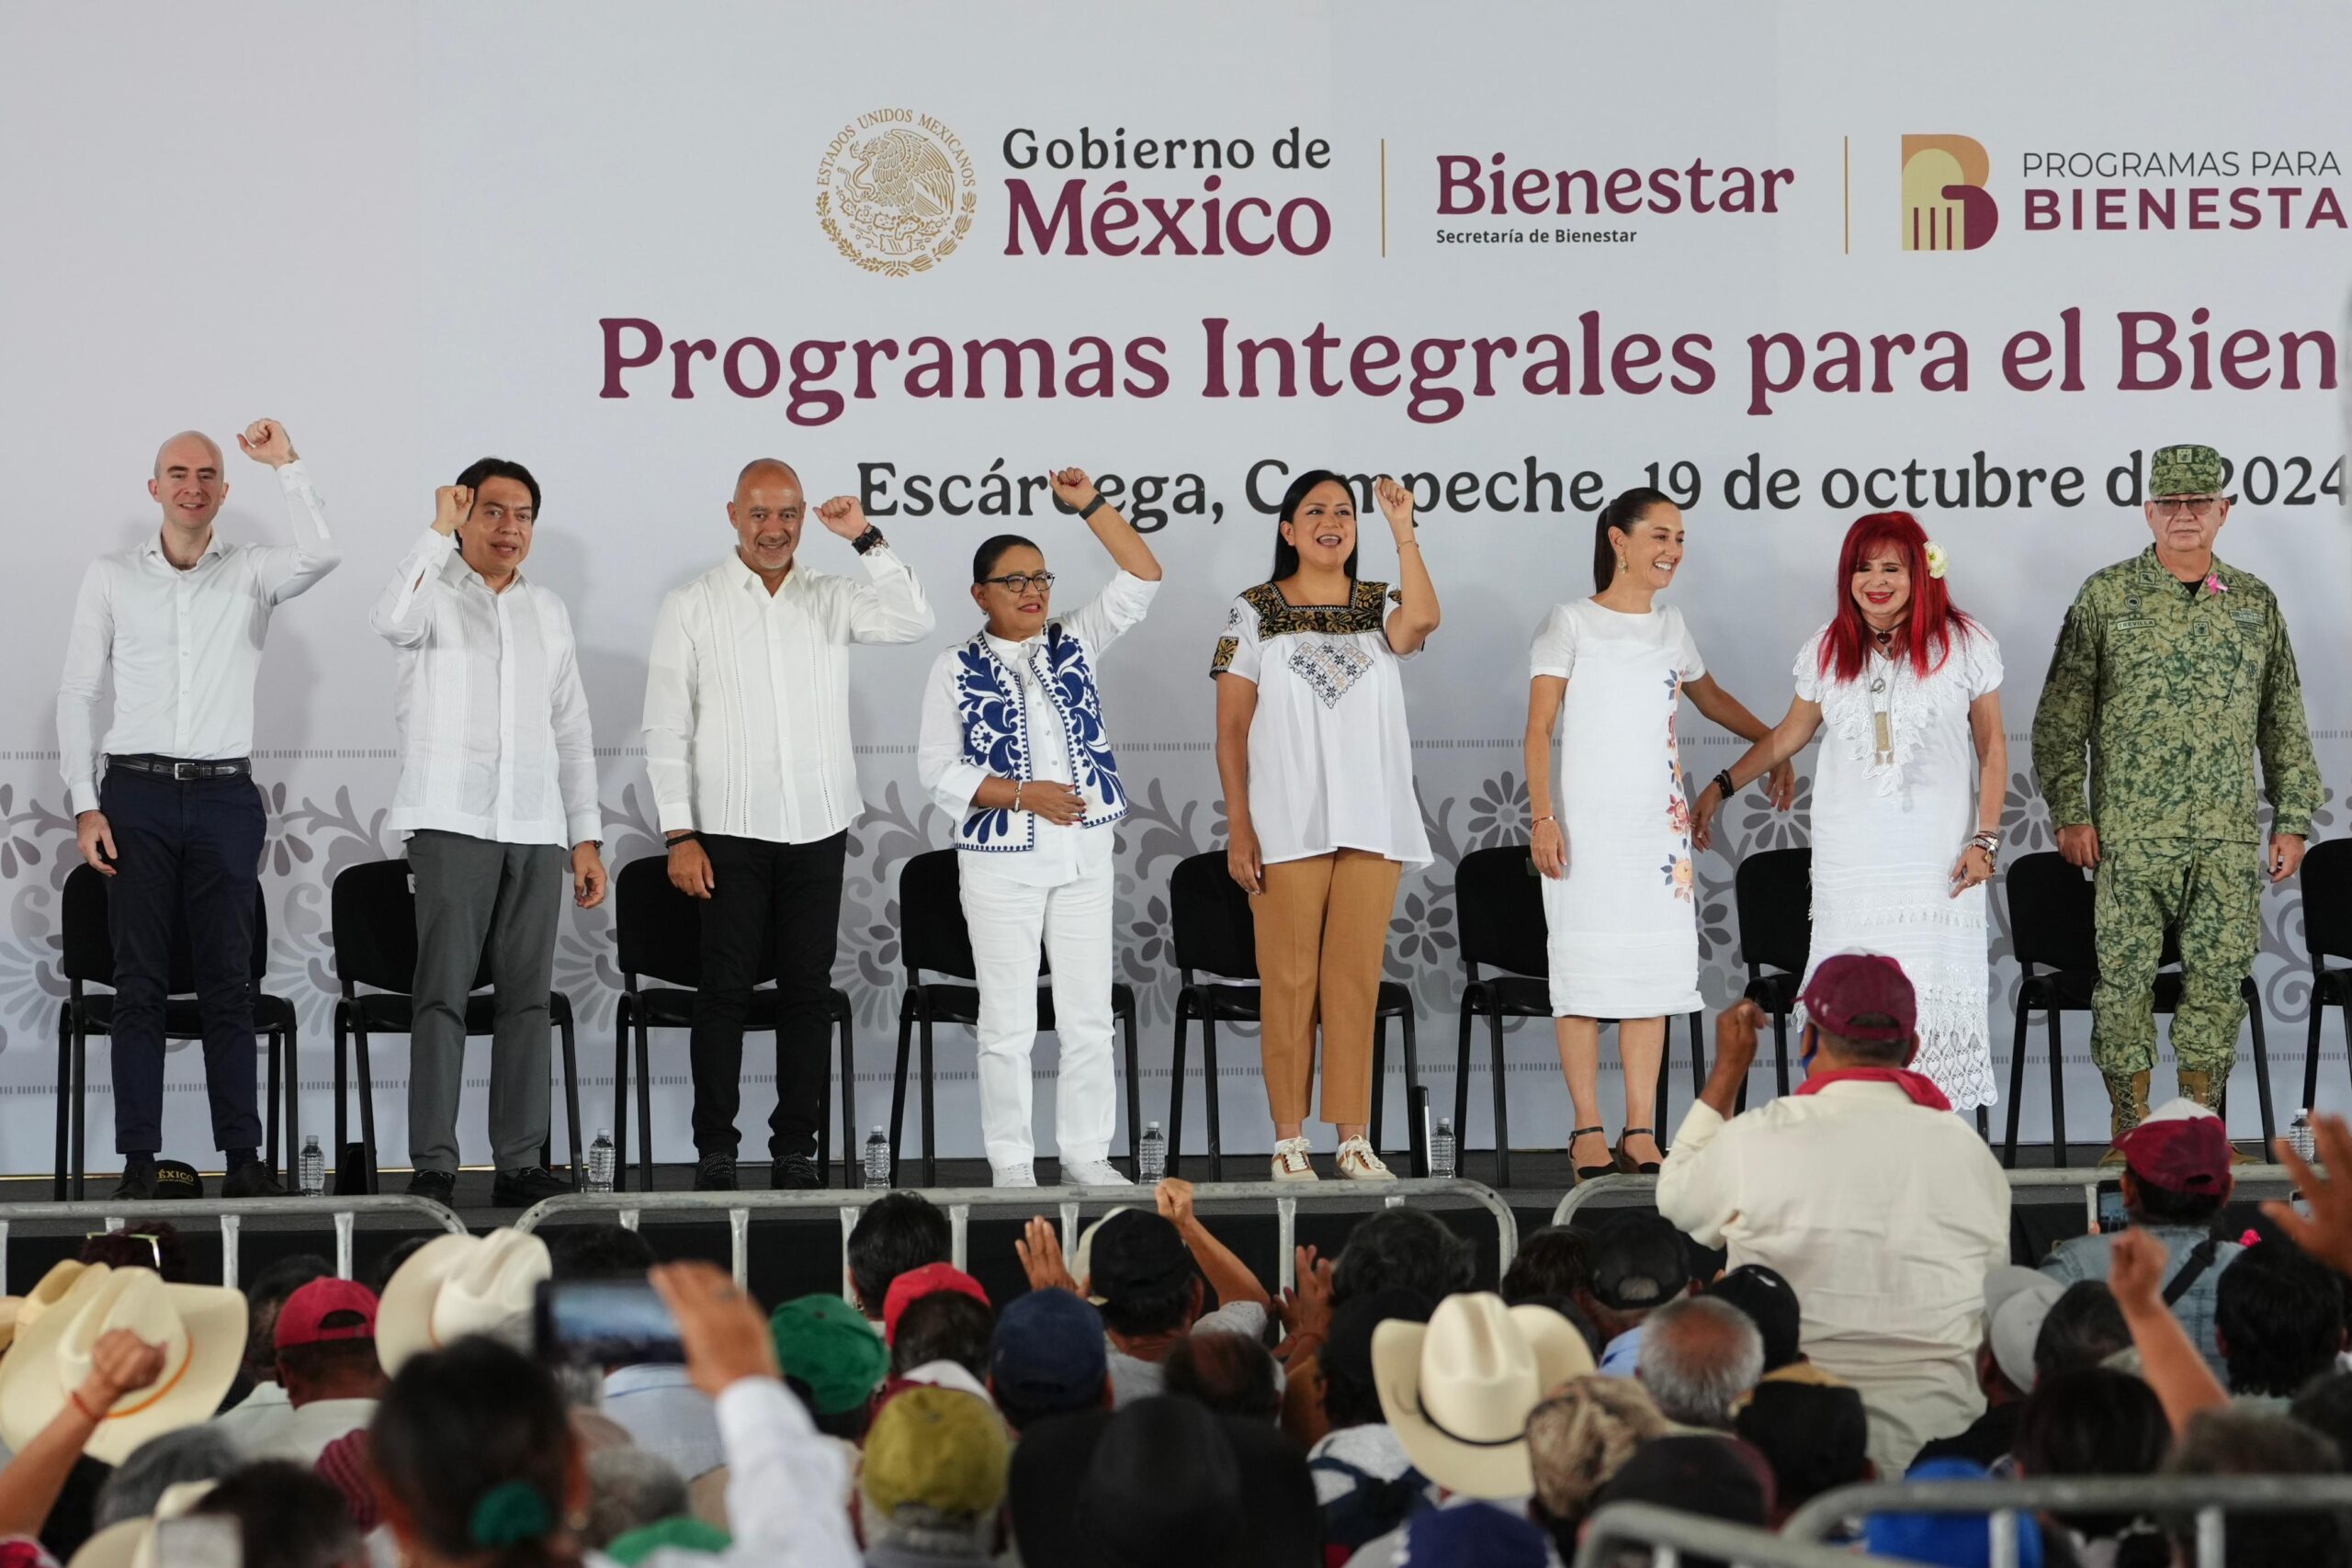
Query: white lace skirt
pixel 1905 910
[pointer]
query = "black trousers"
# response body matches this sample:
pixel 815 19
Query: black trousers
pixel 779 904
pixel 188 858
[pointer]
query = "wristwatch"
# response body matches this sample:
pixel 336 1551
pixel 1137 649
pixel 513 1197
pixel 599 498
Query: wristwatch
pixel 870 539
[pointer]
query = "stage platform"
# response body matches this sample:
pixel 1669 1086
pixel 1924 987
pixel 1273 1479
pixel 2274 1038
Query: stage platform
pixel 793 1252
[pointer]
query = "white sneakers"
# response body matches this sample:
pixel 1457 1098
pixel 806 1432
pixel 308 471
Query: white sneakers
pixel 1357 1162
pixel 1092 1173
pixel 1291 1163
pixel 1022 1175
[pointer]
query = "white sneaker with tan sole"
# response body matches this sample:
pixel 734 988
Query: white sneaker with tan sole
pixel 1358 1162
pixel 1291 1163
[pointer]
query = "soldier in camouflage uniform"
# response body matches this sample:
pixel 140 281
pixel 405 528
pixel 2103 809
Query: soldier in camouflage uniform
pixel 2173 671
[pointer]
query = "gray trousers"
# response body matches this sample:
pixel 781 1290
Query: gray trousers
pixel 472 893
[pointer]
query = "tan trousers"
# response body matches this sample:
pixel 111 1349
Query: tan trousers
pixel 1322 932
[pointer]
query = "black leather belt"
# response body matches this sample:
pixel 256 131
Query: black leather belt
pixel 181 771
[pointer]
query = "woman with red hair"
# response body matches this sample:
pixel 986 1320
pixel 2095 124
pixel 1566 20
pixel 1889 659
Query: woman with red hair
pixel 1907 808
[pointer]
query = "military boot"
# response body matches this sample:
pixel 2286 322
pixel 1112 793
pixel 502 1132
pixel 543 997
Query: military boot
pixel 2127 1100
pixel 2210 1092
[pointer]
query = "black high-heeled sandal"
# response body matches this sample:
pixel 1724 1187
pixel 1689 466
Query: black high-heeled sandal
pixel 1627 1163
pixel 1591 1172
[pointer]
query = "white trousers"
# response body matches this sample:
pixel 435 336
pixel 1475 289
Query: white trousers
pixel 1010 922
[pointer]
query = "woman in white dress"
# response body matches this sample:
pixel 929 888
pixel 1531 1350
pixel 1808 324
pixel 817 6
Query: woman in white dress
pixel 1912 763
pixel 1618 890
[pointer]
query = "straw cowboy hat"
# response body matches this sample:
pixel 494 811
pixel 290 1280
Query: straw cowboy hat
pixel 200 1327
pixel 1458 1388
pixel 457 1285
pixel 132 1543
pixel 19 1312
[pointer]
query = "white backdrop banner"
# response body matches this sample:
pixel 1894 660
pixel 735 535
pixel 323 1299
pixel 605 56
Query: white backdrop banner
pixel 1788 262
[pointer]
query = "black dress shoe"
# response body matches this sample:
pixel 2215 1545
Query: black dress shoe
pixel 250 1179
pixel 138 1182
pixel 440 1185
pixel 796 1173
pixel 714 1173
pixel 521 1188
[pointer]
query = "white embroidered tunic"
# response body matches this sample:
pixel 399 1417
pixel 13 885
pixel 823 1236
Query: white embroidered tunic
pixel 1887 830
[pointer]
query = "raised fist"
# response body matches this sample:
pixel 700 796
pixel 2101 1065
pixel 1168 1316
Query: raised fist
pixel 1396 505
pixel 1071 487
pixel 265 441
pixel 842 516
pixel 452 504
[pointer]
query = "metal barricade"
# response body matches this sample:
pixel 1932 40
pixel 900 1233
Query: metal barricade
pixel 1669 1535
pixel 2206 1498
pixel 1643 1189
pixel 960 1202
pixel 232 1212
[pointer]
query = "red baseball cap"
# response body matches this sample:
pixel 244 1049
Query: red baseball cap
pixel 302 1320
pixel 916 1283
pixel 1847 985
pixel 2181 1147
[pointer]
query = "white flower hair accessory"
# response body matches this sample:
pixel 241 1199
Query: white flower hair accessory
pixel 1936 561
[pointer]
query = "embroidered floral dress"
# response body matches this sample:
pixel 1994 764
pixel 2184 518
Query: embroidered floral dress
pixel 1888 825
pixel 1623 927
pixel 1330 759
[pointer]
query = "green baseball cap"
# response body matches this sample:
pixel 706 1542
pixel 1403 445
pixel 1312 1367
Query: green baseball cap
pixel 633 1546
pixel 2185 470
pixel 940 1447
pixel 827 1344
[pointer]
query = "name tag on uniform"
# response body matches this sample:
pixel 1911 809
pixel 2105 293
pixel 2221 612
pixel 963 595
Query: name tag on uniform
pixel 2131 623
pixel 2246 617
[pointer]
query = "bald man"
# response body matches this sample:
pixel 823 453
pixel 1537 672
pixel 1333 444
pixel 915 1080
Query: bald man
pixel 176 822
pixel 747 747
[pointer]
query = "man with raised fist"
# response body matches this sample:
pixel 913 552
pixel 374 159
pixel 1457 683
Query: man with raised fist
pixel 176 823
pixel 498 796
pixel 747 747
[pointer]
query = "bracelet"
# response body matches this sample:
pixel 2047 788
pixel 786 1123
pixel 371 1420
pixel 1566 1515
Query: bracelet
pixel 1988 841
pixel 1540 820
pixel 1016 794
pixel 1091 507
pixel 1724 784
pixel 688 837
pixel 93 1417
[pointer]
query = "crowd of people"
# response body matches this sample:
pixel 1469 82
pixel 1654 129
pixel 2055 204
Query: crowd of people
pixel 1796 1317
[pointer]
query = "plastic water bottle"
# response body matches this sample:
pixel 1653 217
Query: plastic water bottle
pixel 2300 1138
pixel 1442 1150
pixel 1151 1155
pixel 600 1161
pixel 311 1170
pixel 877 1161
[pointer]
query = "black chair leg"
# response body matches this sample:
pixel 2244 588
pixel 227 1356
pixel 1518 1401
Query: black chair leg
pixel 1502 1110
pixel 930 1088
pixel 2261 1066
pixel 64 1096
pixel 620 1094
pixel 899 1084
pixel 852 1151
pixel 1781 1051
pixel 2057 1088
pixel 644 1033
pixel 81 1100
pixel 1664 1082
pixel 2311 1043
pixel 1176 1084
pixel 1413 1082
pixel 565 1030
pixel 824 1106
pixel 367 1104
pixel 1135 1096
pixel 341 1081
pixel 1697 1056
pixel 270 1103
pixel 1984 1122
pixel 2016 1086
pixel 1462 1071
pixel 1379 1080
pixel 1215 1114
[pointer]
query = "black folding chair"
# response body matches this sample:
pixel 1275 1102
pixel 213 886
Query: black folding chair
pixel 2327 934
pixel 1215 934
pixel 2054 926
pixel 932 940
pixel 87 958
pixel 1772 892
pixel 658 932
pixel 374 910
pixel 1498 908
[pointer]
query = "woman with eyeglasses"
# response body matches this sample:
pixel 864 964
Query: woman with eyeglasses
pixel 1321 819
pixel 1015 751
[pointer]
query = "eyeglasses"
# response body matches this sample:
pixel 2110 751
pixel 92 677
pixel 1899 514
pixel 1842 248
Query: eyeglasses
pixel 2198 507
pixel 1021 582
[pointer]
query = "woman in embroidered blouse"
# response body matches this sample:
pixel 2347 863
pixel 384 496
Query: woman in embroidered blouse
pixel 1620 920
pixel 1014 750
pixel 1912 763
pixel 1321 819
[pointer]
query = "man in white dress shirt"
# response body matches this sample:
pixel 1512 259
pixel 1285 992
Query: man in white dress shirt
pixel 747 747
pixel 177 822
pixel 498 777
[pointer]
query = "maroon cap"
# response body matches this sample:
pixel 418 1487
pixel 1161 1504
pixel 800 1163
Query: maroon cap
pixel 302 1320
pixel 1848 984
pixel 916 1283
pixel 2178 1153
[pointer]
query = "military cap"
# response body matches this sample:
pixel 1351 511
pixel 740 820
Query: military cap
pixel 2185 470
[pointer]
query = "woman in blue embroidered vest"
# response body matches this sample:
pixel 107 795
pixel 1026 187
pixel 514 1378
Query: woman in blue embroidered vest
pixel 1620 920
pixel 1321 819
pixel 1014 751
